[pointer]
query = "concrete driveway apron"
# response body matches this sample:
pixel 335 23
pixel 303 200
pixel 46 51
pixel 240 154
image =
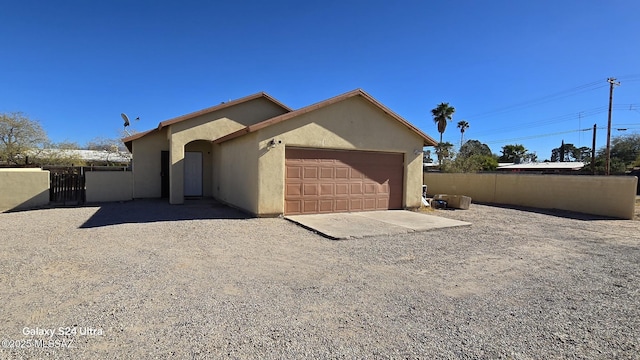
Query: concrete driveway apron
pixel 340 226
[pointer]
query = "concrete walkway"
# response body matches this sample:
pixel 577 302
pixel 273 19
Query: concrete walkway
pixel 340 226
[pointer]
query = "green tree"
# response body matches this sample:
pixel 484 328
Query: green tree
pixel 566 152
pixel 442 114
pixel 473 163
pixel 445 152
pixel 426 157
pixel 463 126
pixel 474 147
pixel 582 153
pixel 474 156
pixel 626 148
pixel 513 153
pixel 618 167
pixel 530 157
pixel 569 152
pixel 625 153
pixel 19 136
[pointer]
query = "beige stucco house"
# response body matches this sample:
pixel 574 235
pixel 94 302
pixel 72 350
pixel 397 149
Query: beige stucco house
pixel 347 153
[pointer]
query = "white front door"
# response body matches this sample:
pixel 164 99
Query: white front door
pixel 192 173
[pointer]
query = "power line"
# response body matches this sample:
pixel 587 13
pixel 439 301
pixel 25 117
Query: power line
pixel 556 119
pixel 536 136
pixel 555 96
pixel 559 95
pixel 616 127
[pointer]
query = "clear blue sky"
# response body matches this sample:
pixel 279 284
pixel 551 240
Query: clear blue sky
pixel 76 65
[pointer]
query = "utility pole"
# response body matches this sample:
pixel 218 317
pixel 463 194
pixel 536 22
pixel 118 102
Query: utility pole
pixel 593 151
pixel 612 82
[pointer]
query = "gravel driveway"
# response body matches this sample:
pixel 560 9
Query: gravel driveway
pixel 147 280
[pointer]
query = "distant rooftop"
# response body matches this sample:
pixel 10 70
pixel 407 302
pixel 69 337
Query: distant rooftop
pixel 91 155
pixel 542 166
pixel 533 166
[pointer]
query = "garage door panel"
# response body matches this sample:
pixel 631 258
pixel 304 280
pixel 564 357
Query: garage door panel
pixel 310 189
pixel 309 206
pixel 342 189
pixel 355 204
pixel 294 172
pixel 370 188
pixel 321 181
pixel 326 173
pixel 326 205
pixel 293 189
pixel 327 190
pixel 342 172
pixel 310 173
pixel 341 205
pixel 355 174
pixel 369 204
pixel 293 206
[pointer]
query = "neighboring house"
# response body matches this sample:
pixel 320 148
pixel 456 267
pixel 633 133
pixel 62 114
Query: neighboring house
pixel 90 157
pixel 347 153
pixel 542 167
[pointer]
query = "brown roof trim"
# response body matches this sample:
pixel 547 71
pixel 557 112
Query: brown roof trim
pixel 223 106
pixel 428 141
pixel 137 136
pixel 127 141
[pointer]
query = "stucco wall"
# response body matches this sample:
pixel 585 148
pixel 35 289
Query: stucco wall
pixel 353 124
pixel 598 195
pixel 146 164
pixel 105 186
pixel 23 188
pixel 216 157
pixel 209 127
pixel 229 119
pixel 146 150
pixel 238 173
pixel 480 187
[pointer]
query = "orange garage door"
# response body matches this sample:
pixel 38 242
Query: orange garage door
pixel 325 181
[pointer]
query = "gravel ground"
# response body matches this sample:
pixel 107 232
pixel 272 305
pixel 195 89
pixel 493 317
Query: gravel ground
pixel 147 280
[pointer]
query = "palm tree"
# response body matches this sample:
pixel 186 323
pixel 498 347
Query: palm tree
pixel 462 125
pixel 441 114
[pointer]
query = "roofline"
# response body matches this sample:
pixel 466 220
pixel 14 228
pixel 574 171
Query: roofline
pixel 129 139
pixel 208 110
pixel 137 135
pixel 223 106
pixel 428 141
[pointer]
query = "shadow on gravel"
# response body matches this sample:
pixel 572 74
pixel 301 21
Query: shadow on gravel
pixel 553 212
pixel 147 211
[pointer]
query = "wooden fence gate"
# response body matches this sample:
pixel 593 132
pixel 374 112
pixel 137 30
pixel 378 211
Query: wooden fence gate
pixel 67 188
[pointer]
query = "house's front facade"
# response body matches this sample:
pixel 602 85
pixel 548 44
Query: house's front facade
pixel 348 153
